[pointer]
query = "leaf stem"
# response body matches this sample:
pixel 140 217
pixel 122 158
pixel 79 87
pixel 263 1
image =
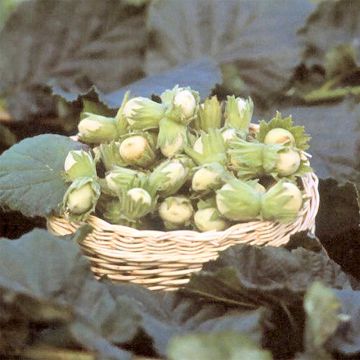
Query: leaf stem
pixel 324 94
pixel 330 83
pixel 221 299
pixel 53 353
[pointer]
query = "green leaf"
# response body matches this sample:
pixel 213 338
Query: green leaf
pixel 322 319
pixel 95 107
pixel 213 148
pixel 165 315
pixel 59 292
pixel 6 7
pixel 249 277
pixel 201 75
pixel 7 138
pixel 337 223
pixel 346 340
pixel 258 36
pixel 340 61
pixel 79 44
pixel 304 239
pixel 246 322
pixel 223 345
pixel 137 2
pixel 334 23
pixel 338 211
pixel 31 179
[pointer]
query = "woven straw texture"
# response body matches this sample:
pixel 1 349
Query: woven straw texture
pixel 165 260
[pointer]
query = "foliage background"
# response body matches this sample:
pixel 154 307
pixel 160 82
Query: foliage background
pixel 300 57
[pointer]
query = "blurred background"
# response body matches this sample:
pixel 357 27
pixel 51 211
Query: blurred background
pixel 299 57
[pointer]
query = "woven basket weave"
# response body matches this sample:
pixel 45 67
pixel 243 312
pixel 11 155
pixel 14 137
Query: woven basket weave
pixel 166 259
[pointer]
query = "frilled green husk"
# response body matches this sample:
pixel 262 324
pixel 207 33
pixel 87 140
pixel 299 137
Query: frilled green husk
pixel 247 163
pixel 170 226
pixel 172 137
pixel 210 177
pixel 96 129
pixel 253 159
pixel 301 138
pixel 179 202
pixel 109 155
pixel 186 161
pixel 122 178
pixel 124 209
pixel 133 211
pixel 81 165
pixel 109 209
pixel 148 116
pixel 209 219
pixel 209 115
pixel 175 112
pixel 146 158
pixel 303 169
pixel 120 120
pixel 206 203
pixel 254 183
pixel 170 176
pixel 150 136
pixel 237 134
pixel 76 185
pixel 167 97
pixel 236 119
pixel 214 150
pixel 242 202
pixel 273 204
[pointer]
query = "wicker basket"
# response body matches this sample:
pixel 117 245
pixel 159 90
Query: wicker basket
pixel 165 260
